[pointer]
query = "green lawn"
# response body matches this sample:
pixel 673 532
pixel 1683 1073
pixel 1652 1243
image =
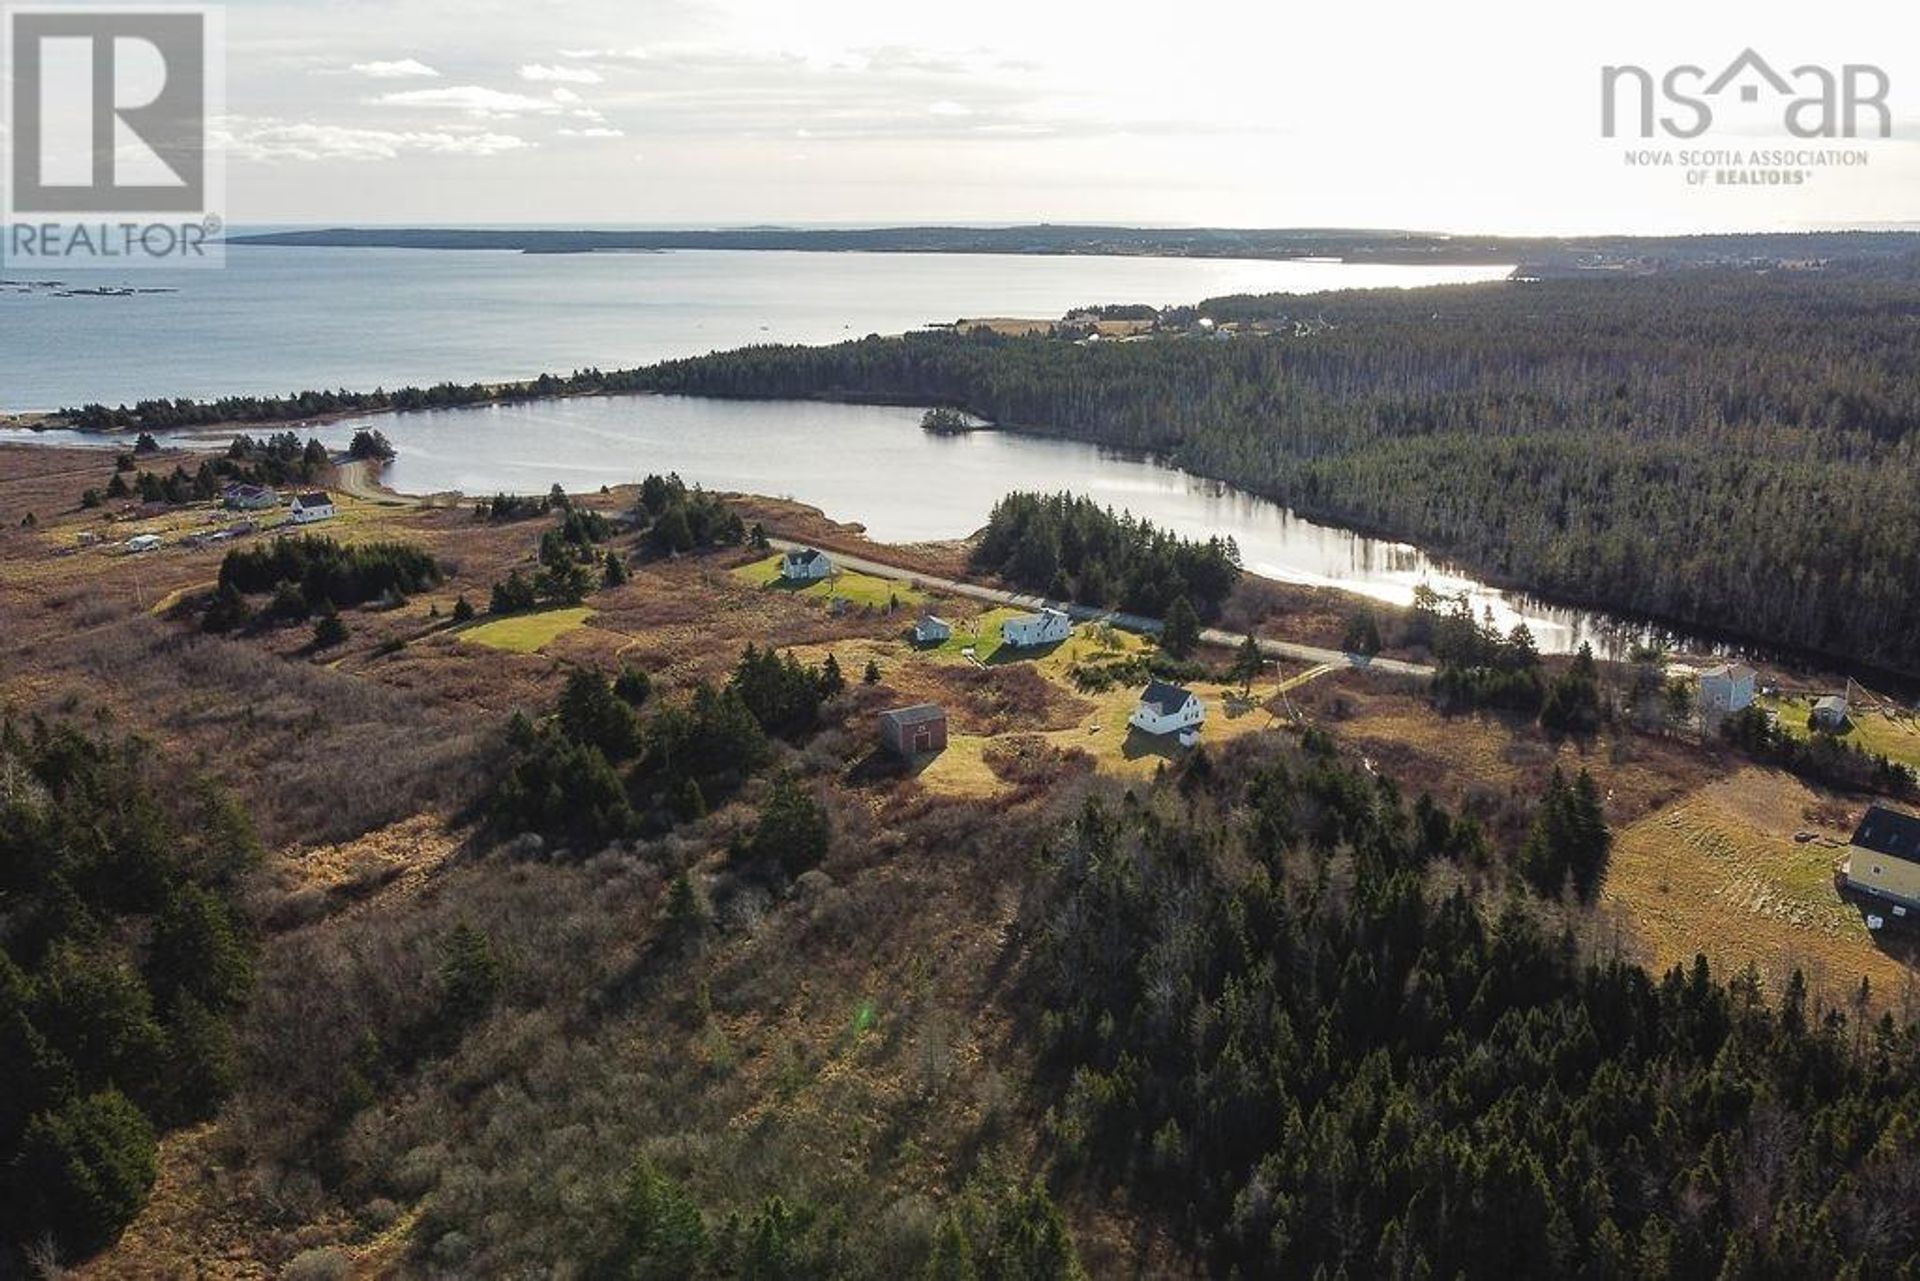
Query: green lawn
pixel 986 628
pixel 527 633
pixel 860 589
pixel 1897 740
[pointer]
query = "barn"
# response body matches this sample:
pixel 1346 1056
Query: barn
pixel 920 730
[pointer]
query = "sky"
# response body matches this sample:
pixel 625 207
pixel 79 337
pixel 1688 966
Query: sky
pixel 1473 116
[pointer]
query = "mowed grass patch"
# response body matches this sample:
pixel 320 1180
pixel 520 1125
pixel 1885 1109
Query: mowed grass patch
pixel 1718 873
pixel 1094 643
pixel 1118 748
pixel 1896 739
pixel 962 769
pixel 859 589
pixel 528 633
pixel 981 634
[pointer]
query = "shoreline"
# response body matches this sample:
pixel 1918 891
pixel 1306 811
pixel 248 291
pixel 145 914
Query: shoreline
pixel 1679 636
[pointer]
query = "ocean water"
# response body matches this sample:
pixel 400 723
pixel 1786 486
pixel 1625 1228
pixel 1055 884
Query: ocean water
pixel 276 319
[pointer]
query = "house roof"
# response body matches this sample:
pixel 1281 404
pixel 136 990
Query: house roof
pixel 315 499
pixel 918 714
pixel 1044 615
pixel 805 555
pixel 1731 672
pixel 1831 703
pixel 935 619
pixel 1166 699
pixel 1889 832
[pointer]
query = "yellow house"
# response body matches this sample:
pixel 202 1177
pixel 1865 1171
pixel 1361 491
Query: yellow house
pixel 1884 857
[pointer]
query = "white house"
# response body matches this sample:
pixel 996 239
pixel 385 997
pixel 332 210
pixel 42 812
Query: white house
pixel 143 543
pixel 1830 713
pixel 250 497
pixel 932 630
pixel 1044 628
pixel 1169 709
pixel 1726 688
pixel 805 565
pixel 311 507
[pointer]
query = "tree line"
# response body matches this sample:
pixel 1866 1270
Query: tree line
pixel 320 573
pixel 1268 1024
pixel 1074 549
pixel 122 962
pixel 1729 451
pixel 608 764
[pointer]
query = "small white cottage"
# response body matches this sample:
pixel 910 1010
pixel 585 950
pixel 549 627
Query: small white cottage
pixel 1169 709
pixel 805 565
pixel 932 630
pixel 1044 628
pixel 311 507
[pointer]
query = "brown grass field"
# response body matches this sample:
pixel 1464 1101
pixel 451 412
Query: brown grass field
pixel 1720 872
pixel 855 1033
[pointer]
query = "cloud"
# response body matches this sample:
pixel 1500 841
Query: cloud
pixel 399 69
pixel 596 131
pixel 482 102
pixel 270 141
pixel 633 53
pixel 947 107
pixel 541 72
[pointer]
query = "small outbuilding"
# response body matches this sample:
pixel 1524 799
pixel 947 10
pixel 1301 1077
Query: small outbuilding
pixel 308 508
pixel 909 732
pixel 1169 709
pixel 144 543
pixel 1727 688
pixel 1026 631
pixel 1830 713
pixel 1883 858
pixel 932 630
pixel 805 565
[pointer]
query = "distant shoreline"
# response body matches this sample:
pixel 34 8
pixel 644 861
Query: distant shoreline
pixel 1358 247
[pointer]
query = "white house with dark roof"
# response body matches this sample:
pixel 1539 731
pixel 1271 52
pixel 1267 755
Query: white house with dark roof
pixel 311 507
pixel 1025 631
pixel 931 629
pixel 1169 709
pixel 805 565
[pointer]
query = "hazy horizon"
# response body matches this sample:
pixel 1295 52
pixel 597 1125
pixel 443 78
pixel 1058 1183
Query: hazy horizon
pixel 742 112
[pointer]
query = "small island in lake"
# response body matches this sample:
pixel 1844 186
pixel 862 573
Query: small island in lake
pixel 942 421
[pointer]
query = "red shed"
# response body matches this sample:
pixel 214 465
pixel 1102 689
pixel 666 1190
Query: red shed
pixel 914 731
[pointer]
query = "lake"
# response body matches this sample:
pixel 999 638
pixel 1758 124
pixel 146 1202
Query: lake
pixel 874 465
pixel 279 319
